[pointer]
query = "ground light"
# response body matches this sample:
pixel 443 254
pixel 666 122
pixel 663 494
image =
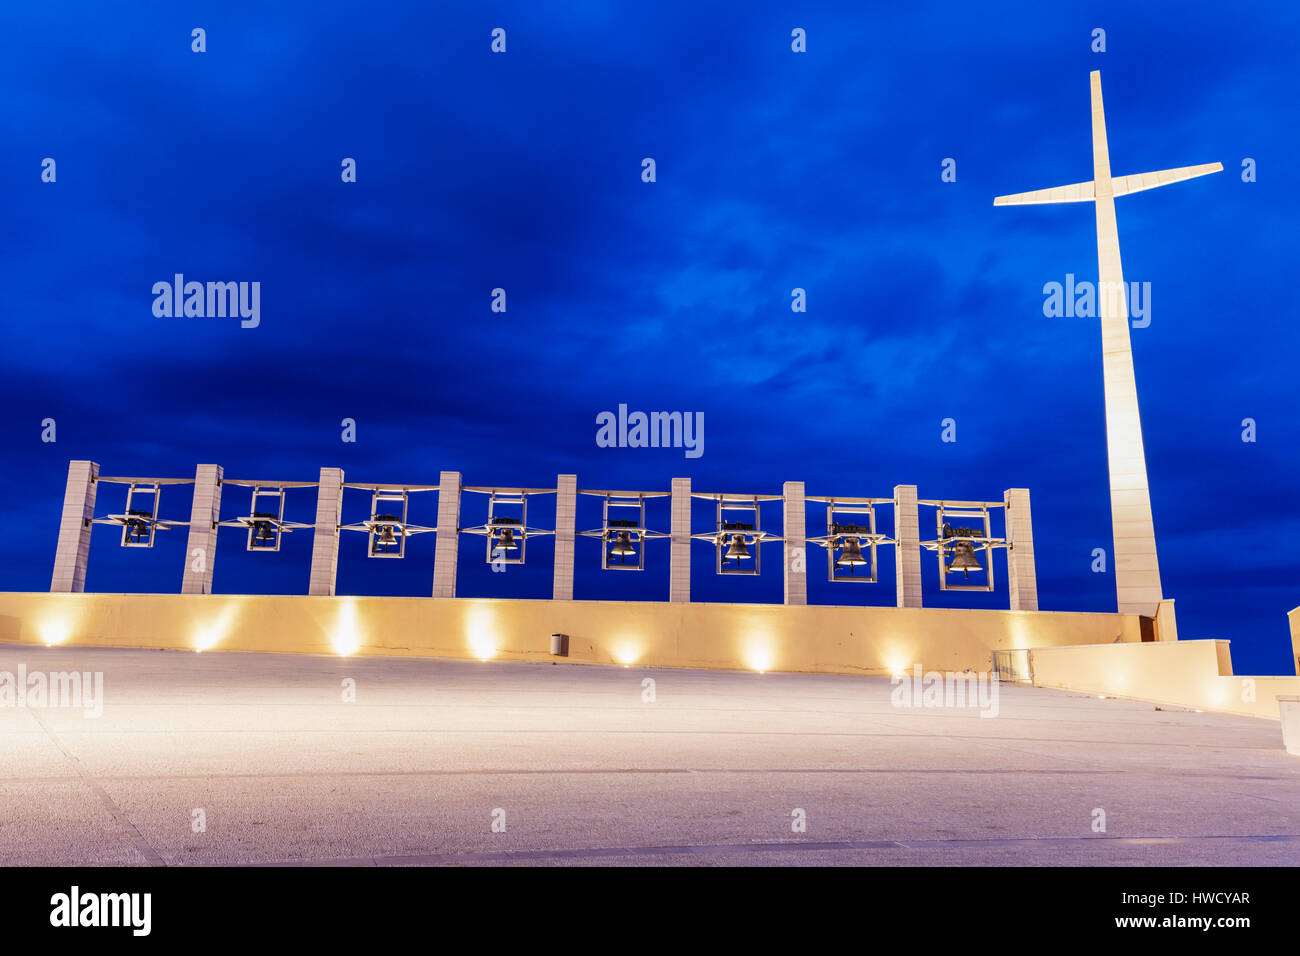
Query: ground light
pixel 211 634
pixel 481 632
pixel 759 656
pixel 346 638
pixel 55 632
pixel 627 652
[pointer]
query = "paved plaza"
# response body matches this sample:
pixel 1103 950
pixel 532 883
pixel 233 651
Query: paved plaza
pixel 225 758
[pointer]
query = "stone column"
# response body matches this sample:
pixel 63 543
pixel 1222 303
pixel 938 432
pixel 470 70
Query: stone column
pixel 796 545
pixel 325 539
pixel 907 549
pixel 1022 578
pixel 201 546
pixel 1166 623
pixel 1293 620
pixel 679 546
pixel 566 518
pixel 73 550
pixel 447 551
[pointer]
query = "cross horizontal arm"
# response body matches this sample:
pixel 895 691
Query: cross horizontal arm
pixel 1137 182
pixel 1120 186
pixel 1075 192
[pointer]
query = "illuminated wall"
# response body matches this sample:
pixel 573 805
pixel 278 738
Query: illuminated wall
pixel 841 640
pixel 1196 674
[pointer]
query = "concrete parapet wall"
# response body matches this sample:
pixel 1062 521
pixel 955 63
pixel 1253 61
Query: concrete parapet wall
pixel 835 640
pixel 1196 674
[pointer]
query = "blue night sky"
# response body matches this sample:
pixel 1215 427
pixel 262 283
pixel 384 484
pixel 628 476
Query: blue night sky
pixel 775 170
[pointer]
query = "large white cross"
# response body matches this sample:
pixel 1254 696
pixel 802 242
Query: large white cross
pixel 1137 572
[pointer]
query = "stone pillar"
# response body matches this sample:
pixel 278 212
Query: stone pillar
pixel 325 539
pixel 1166 623
pixel 1293 619
pixel 907 547
pixel 679 546
pixel 201 547
pixel 796 545
pixel 1022 578
pixel 566 518
pixel 447 551
pixel 73 549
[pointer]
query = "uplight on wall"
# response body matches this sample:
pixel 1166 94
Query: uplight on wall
pixel 347 637
pixel 759 655
pixel 210 634
pixel 206 638
pixel 481 632
pixel 55 632
pixel 627 652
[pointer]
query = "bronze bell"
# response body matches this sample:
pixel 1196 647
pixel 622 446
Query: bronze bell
pixel 851 553
pixel 963 559
pixel 623 544
pixel 386 537
pixel 506 540
pixel 737 550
